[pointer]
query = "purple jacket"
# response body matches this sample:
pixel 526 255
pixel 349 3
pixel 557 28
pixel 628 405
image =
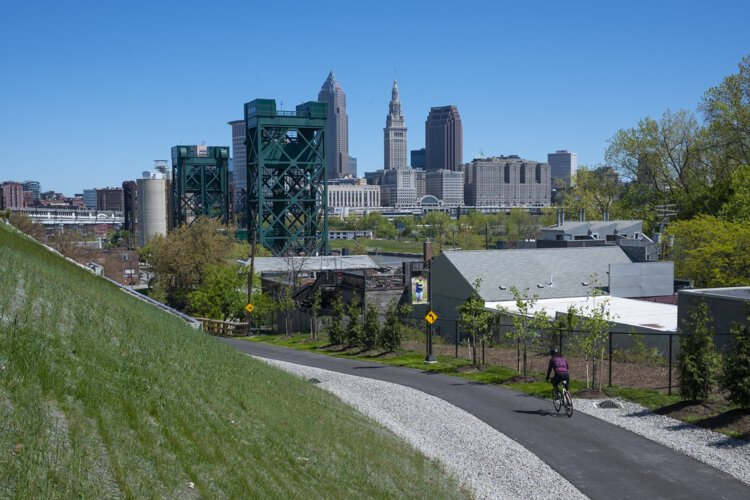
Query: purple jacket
pixel 557 363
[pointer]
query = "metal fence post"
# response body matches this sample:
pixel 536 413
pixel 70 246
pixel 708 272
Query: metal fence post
pixel 610 359
pixel 455 327
pixel 669 390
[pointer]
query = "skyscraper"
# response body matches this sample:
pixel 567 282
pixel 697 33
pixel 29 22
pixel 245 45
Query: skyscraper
pixel 444 141
pixel 564 165
pixel 394 134
pixel 239 173
pixel 337 128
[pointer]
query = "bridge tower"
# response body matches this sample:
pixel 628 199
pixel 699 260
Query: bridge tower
pixel 287 196
pixel 200 184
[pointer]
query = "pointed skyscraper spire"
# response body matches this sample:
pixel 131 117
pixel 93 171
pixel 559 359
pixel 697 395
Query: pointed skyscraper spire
pixel 394 133
pixel 337 128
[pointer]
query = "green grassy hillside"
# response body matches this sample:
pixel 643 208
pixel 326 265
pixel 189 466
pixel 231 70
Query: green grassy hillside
pixel 104 396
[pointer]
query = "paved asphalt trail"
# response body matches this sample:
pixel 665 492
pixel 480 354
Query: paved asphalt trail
pixel 600 459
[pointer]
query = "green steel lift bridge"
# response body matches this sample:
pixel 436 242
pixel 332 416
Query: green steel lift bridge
pixel 200 183
pixel 286 177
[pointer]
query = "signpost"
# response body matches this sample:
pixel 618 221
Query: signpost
pixel 431 317
pixel 249 308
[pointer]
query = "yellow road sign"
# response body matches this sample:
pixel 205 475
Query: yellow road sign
pixel 431 317
pixel 249 308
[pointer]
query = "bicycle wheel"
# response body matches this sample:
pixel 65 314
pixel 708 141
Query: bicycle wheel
pixel 556 400
pixel 568 404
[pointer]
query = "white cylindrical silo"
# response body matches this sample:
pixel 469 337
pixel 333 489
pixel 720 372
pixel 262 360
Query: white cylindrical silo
pixel 152 207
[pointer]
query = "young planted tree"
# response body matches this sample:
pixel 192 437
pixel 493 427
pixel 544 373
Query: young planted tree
pixel 736 377
pixel 476 320
pixel 526 325
pixel 354 327
pixel 317 303
pixel 390 335
pixel 567 324
pixel 336 322
pixel 371 330
pixel 595 333
pixel 698 361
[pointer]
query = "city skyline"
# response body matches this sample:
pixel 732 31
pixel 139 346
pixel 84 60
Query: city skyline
pixel 108 81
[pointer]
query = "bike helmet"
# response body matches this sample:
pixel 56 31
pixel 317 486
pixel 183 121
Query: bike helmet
pixel 553 352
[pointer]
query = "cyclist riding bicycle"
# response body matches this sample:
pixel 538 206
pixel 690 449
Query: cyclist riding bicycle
pixel 559 364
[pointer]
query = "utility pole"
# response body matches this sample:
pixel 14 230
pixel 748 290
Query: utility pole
pixel 250 273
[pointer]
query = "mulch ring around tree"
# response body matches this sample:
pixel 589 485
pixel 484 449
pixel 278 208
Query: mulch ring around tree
pixel 712 416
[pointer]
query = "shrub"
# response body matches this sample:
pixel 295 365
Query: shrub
pixel 698 361
pixel 336 323
pixel 390 334
pixel 354 326
pixel 371 330
pixel 736 377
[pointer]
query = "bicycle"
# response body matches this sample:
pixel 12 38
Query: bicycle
pixel 562 399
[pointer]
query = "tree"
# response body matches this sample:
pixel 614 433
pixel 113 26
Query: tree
pixel 663 158
pixel 391 333
pixel 737 206
pixel 698 361
pixel 526 324
pixel 23 223
pixel 596 191
pixel 726 109
pixel 568 323
pixel 336 324
pixel 315 307
pixel 353 334
pixel 180 259
pixel 736 377
pixel 371 330
pixel 437 223
pixel 476 320
pixel 595 328
pixel 222 294
pixel 711 252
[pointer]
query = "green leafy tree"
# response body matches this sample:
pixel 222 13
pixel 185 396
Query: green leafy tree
pixel 596 191
pixel 567 324
pixel 476 320
pixel 711 252
pixel 336 323
pixel 526 325
pixel 662 156
pixel 315 307
pixel 371 330
pixel 726 109
pixel 353 334
pixel 698 361
pixel 222 294
pixel 736 376
pixel 737 206
pixel 595 327
pixel 180 259
pixel 392 331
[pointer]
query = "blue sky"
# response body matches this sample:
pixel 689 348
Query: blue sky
pixel 91 92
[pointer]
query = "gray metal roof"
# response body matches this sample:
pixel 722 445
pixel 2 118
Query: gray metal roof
pixel 559 271
pixel 307 264
pixel 595 226
pixel 739 292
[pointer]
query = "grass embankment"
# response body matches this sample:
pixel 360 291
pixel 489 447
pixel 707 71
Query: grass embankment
pixel 102 395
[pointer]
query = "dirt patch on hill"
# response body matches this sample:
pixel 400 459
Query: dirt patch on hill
pixel 713 416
